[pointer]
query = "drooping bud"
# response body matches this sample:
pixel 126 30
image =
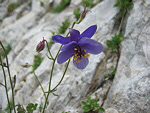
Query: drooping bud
pixel 40 46
pixel 84 13
pixel 26 65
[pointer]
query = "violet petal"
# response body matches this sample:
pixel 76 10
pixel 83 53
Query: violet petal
pixel 74 34
pixel 90 45
pixel 61 39
pixel 89 32
pixel 82 64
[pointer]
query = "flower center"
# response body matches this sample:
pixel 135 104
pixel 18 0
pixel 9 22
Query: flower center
pixel 79 53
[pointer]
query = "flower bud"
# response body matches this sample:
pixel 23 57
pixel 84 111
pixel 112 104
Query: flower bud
pixel 26 65
pixel 40 46
pixel 84 13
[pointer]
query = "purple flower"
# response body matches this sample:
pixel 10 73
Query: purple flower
pixel 78 46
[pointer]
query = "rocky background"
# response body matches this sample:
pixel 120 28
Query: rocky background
pixel 128 91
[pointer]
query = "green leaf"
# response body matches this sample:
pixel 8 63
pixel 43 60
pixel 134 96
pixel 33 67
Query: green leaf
pixel 9 108
pixel 41 3
pixel 40 108
pixel 112 68
pixel 101 109
pixel 115 42
pixel 31 107
pixel 90 105
pixel 20 109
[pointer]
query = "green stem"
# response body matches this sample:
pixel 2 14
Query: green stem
pixel 11 83
pixel 49 85
pixel 39 84
pixel 2 84
pixel 49 50
pixel 62 76
pixel 5 84
pixel 54 60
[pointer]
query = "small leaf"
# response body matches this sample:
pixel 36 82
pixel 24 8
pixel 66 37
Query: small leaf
pixel 112 67
pixel 31 107
pixel 20 109
pixel 101 109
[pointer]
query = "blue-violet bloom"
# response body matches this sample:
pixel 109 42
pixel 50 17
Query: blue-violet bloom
pixel 78 46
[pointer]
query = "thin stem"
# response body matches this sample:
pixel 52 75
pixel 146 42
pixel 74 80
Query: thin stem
pixel 62 76
pixel 11 83
pixel 52 69
pixel 49 49
pixel 2 84
pixel 39 83
pixel 50 58
pixel 49 85
pixel 5 85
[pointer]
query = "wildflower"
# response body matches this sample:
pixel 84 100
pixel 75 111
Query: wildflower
pixel 78 46
pixel 40 46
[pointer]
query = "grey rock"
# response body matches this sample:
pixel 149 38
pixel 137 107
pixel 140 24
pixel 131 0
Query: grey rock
pixel 76 82
pixel 56 2
pixel 8 21
pixel 130 92
pixel 3 13
pixel 111 110
pixel 75 2
pixel 36 7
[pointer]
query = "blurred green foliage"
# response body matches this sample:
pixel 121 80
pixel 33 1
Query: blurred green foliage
pixel 7 49
pixel 8 109
pixel 63 4
pixel 50 42
pixel 41 3
pixel 12 7
pixel 37 61
pixel 110 74
pixel 31 107
pixel 77 13
pixel 115 42
pixel 64 26
pixel 90 3
pixel 123 5
pixel 91 105
pixel 20 109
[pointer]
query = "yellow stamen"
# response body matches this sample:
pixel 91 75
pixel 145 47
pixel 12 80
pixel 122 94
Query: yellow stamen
pixel 75 58
pixel 84 50
pixel 77 61
pixel 86 55
pixel 75 49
